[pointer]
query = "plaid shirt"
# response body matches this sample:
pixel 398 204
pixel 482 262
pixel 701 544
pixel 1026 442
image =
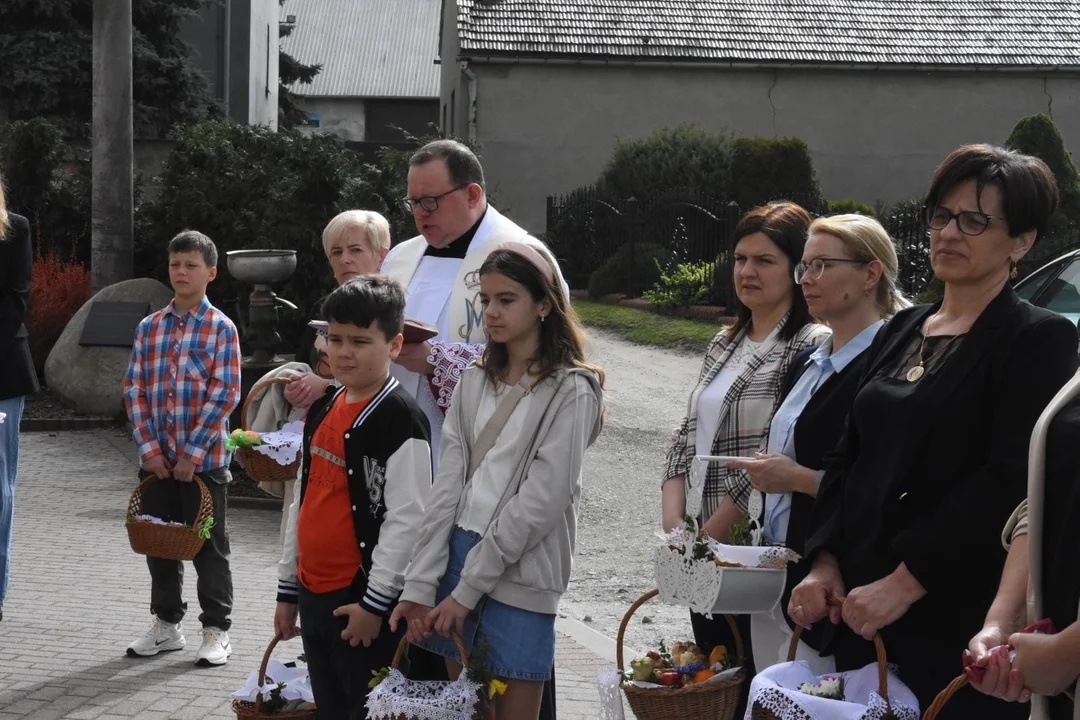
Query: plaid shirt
pixel 182 384
pixel 748 408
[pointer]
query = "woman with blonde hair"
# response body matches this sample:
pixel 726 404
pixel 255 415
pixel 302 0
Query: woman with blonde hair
pixel 18 378
pixel 355 243
pixel 848 275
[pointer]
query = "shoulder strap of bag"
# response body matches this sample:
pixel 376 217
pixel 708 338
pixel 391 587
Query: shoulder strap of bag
pixel 486 439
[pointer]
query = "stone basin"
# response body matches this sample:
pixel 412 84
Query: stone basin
pixel 261 267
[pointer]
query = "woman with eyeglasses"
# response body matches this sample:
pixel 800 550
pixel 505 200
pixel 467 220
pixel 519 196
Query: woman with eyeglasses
pixel 739 388
pixel 933 461
pixel 848 276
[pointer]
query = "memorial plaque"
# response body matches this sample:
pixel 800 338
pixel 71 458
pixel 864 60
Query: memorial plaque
pixel 113 324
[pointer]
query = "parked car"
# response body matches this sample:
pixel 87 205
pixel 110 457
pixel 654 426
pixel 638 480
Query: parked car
pixel 1055 286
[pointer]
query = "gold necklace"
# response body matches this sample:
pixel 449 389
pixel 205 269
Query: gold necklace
pixel 919 370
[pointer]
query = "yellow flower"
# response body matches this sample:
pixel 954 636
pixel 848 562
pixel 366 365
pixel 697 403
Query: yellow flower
pixel 496 687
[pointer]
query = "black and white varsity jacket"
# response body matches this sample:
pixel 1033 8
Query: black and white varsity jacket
pixel 388 461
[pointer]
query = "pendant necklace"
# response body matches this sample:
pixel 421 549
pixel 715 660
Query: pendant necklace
pixel 919 370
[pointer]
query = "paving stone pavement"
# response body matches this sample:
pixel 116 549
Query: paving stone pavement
pixel 78 596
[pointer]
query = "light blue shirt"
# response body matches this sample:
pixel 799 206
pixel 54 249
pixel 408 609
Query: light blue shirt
pixel 823 364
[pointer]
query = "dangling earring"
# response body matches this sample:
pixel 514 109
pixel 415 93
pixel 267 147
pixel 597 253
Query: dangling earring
pixel 542 318
pixel 1014 272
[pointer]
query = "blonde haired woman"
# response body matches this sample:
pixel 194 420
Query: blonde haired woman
pixel 848 276
pixel 355 243
pixel 17 375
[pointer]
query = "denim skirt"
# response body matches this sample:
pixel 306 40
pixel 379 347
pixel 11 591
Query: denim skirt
pixel 520 644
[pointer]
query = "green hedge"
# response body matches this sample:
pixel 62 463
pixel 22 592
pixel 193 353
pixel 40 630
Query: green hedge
pixel 683 156
pixel 766 169
pixel 851 207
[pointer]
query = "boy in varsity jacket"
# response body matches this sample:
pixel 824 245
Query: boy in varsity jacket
pixel 352 525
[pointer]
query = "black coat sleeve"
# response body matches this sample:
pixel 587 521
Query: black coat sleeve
pixel 16 268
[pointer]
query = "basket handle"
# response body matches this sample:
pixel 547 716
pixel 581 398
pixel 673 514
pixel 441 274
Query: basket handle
pixel 262 671
pixel 646 598
pixel 944 696
pixel 879 647
pixel 400 653
pixel 206 503
pixel 254 392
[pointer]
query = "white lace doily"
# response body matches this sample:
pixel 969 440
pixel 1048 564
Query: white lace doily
pixel 707 588
pixel 397 696
pixel 284 445
pixel 609 683
pixel 771 690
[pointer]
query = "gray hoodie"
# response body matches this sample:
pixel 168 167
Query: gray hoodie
pixel 524 558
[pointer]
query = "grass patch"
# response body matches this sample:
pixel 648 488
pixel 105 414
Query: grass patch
pixel 646 328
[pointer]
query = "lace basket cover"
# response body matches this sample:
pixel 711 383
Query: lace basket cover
pixel 708 588
pixel 772 690
pixel 397 696
pixel 283 445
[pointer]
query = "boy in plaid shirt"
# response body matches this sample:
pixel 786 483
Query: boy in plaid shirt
pixel 181 386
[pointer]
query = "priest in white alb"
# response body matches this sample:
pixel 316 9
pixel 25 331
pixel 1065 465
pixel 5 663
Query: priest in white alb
pixel 458 229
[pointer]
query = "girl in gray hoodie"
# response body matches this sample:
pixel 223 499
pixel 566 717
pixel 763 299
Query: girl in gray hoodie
pixel 497 542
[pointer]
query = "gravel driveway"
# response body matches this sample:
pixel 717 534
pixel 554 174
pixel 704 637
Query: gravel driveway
pixel 646 395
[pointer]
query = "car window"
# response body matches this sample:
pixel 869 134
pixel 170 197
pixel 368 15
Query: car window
pixel 1062 294
pixel 1032 283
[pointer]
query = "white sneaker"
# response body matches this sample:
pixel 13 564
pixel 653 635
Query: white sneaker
pixel 215 648
pixel 161 637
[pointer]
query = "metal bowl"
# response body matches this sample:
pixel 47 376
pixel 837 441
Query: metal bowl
pixel 261 267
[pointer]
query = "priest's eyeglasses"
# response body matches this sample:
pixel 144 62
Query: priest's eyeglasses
pixel 429 203
pixel 816 267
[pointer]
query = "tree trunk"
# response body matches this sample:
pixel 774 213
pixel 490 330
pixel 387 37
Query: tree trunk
pixel 112 224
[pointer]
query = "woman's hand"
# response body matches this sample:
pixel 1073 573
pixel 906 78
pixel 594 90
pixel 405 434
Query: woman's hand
pixel 871 607
pixel 302 391
pixel 448 615
pixel 1046 664
pixel 988 652
pixel 776 474
pixel 415 615
pixel 810 598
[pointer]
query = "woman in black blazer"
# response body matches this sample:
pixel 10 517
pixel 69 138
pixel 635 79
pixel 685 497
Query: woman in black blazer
pixel 906 527
pixel 848 275
pixel 17 375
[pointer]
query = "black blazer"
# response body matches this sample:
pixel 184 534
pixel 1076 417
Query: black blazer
pixel 955 474
pixel 17 374
pixel 817 433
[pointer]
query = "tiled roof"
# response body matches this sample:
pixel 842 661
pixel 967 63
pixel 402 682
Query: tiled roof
pixel 368 48
pixel 909 32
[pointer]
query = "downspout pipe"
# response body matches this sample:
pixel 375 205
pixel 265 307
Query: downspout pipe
pixel 471 78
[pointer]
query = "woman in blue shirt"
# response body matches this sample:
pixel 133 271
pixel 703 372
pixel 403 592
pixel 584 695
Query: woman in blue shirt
pixel 848 276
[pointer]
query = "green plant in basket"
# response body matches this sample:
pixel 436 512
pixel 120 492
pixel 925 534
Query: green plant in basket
pixel 739 533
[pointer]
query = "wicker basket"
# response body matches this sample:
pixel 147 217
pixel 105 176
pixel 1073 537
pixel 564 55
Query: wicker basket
pixel 482 708
pixel 170 542
pixel 760 713
pixel 260 467
pixel 246 709
pixel 717 700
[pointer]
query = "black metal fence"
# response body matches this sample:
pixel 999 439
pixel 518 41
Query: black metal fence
pixel 609 244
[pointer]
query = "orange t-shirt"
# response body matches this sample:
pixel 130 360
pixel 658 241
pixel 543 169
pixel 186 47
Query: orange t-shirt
pixel 327 556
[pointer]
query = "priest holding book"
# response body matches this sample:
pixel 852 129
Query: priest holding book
pixel 458 230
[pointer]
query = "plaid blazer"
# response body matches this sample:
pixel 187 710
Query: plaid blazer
pixel 744 417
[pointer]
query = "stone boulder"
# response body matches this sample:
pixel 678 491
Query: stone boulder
pixel 91 378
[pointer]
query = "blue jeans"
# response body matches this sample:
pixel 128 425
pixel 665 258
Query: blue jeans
pixel 9 465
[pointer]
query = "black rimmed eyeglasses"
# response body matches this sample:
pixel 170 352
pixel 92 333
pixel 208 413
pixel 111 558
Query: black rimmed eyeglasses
pixel 429 203
pixel 816 267
pixel 969 222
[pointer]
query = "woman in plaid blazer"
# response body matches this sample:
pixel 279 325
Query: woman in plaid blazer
pixel 739 388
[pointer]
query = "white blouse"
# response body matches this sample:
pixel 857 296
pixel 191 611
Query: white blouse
pixel 492 477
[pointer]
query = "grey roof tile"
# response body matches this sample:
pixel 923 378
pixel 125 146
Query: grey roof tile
pixel 921 32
